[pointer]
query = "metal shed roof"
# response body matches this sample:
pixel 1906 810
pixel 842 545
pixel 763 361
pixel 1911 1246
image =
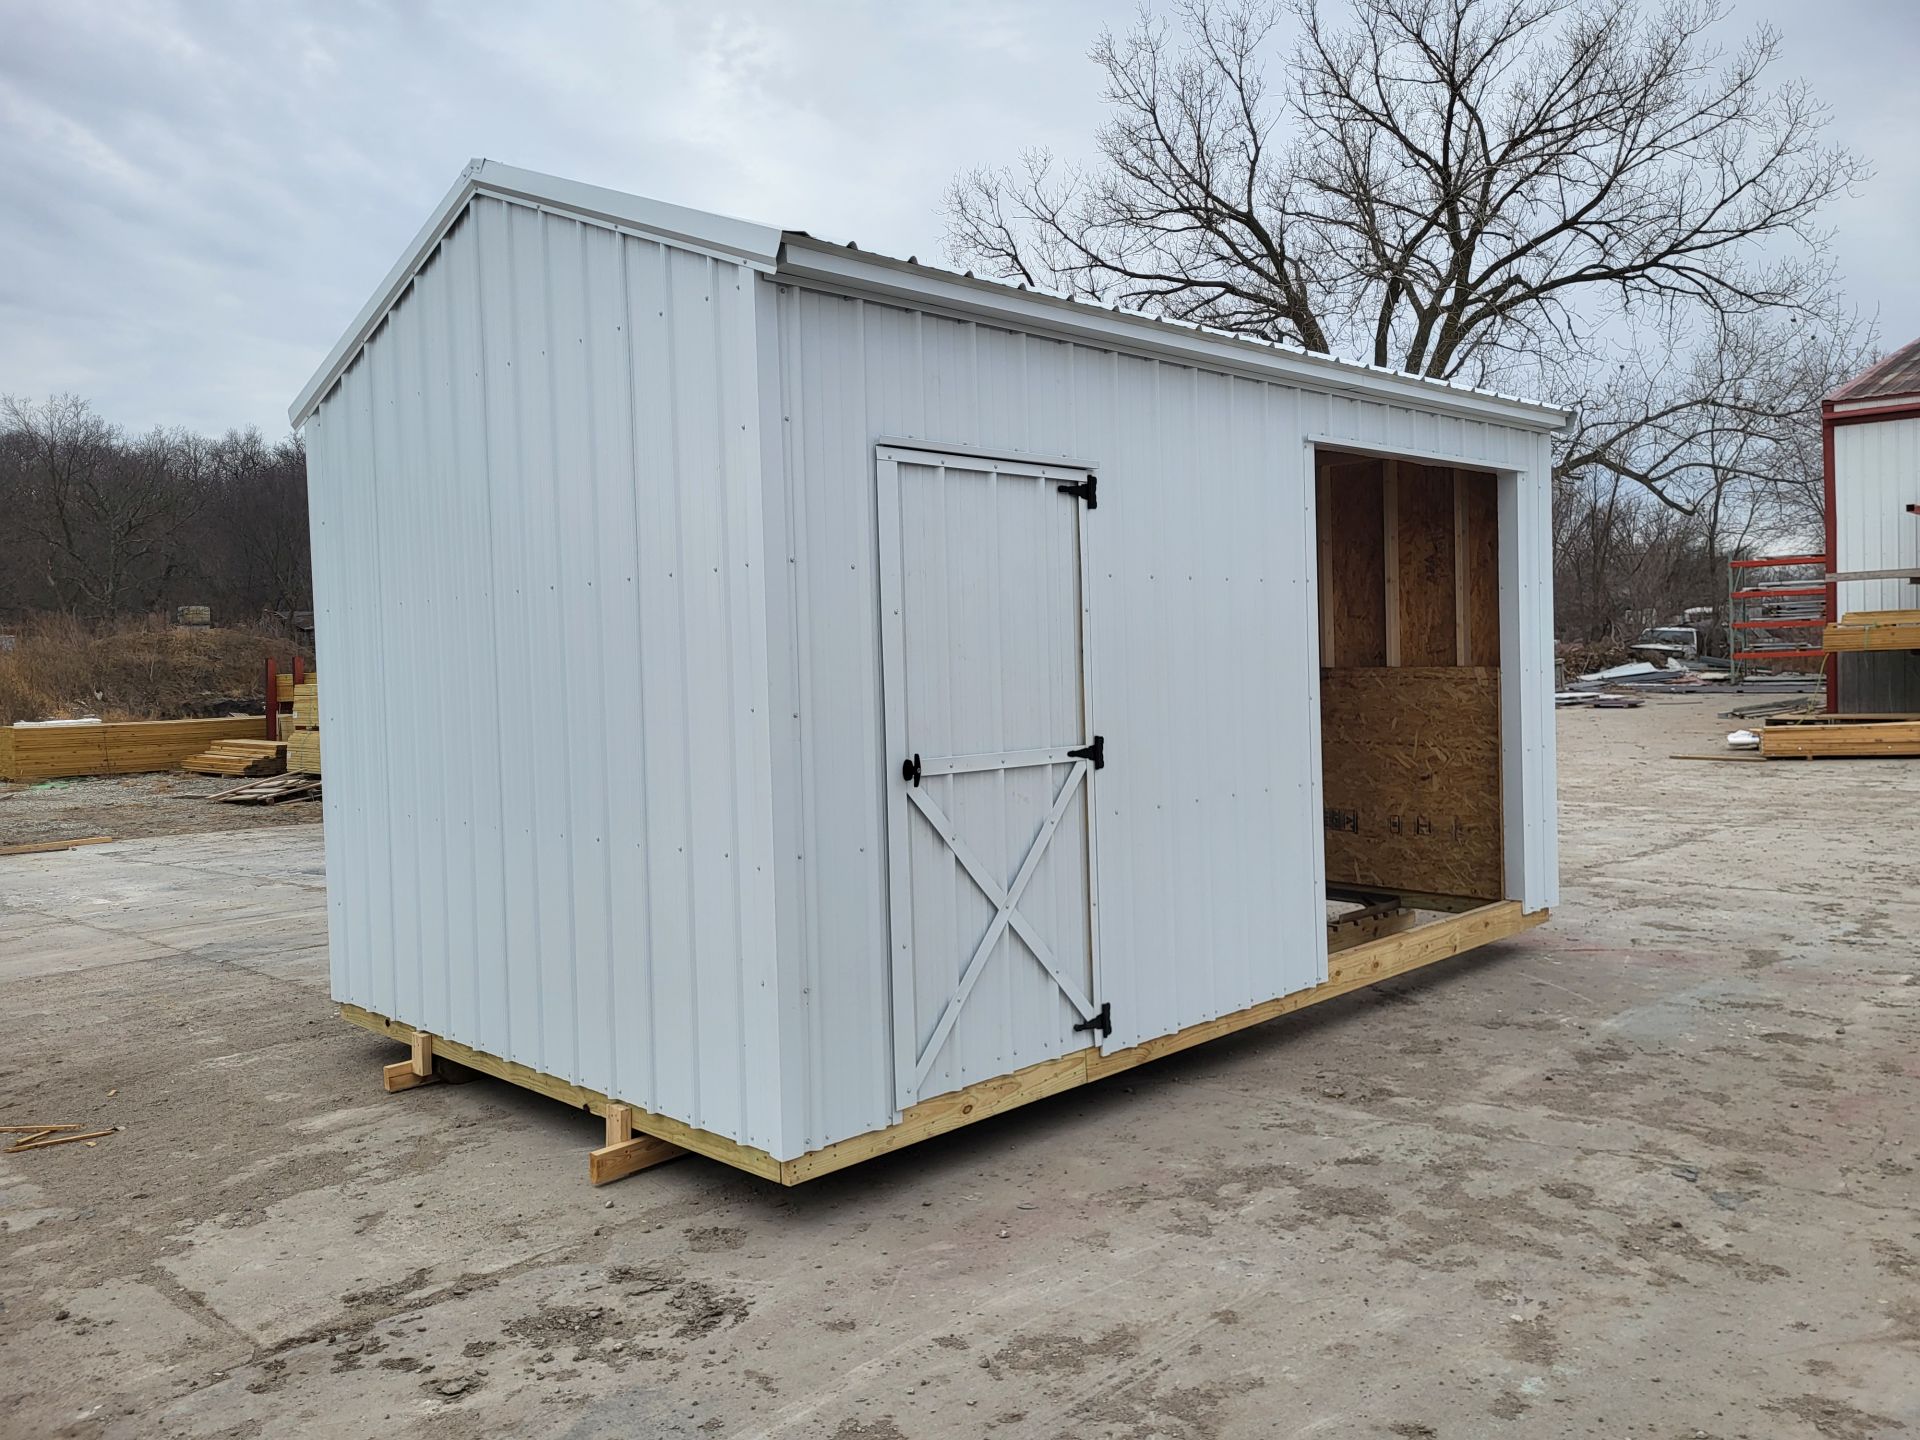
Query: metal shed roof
pixel 802 257
pixel 1897 375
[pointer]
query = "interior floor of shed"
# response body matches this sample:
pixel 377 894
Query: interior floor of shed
pixel 1652 1169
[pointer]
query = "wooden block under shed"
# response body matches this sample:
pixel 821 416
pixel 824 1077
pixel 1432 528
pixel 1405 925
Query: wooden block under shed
pixel 625 1152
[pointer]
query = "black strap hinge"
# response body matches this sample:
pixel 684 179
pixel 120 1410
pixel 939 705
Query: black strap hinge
pixel 1096 752
pixel 910 769
pixel 1103 1022
pixel 1087 490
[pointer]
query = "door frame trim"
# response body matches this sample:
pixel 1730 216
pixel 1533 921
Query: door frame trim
pixel 888 457
pixel 1004 459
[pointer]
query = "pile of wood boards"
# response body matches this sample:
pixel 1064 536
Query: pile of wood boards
pixel 1882 738
pixel 1874 630
pixel 271 791
pixel 48 752
pixel 239 758
pixel 303 740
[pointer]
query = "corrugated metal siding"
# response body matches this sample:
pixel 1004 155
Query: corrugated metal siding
pixel 1876 475
pixel 1884 683
pixel 537 550
pixel 1202 660
pixel 1530 765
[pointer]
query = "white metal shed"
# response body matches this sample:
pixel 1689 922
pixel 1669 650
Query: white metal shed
pixel 815 700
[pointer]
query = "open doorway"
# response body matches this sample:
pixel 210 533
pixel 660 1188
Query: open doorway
pixel 1409 602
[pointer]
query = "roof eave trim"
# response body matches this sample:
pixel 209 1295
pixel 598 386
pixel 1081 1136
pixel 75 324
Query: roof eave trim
pixel 1853 389
pixel 739 241
pixel 804 258
pixel 382 300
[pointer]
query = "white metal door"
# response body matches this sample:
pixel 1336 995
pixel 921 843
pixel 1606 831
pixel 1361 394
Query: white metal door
pixel 989 731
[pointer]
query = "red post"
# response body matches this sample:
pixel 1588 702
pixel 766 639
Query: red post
pixel 1830 664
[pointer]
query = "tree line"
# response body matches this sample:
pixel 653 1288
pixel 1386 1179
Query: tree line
pixel 102 525
pixel 1591 201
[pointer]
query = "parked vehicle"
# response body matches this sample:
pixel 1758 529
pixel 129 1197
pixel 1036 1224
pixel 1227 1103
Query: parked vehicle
pixel 1667 642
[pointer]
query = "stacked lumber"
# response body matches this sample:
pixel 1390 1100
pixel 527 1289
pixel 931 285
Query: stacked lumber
pixel 1874 630
pixel 239 758
pixel 1814 742
pixel 303 740
pixel 51 752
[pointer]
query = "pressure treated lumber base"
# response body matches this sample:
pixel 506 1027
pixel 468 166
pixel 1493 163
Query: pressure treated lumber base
pixel 1348 970
pixel 625 1152
pixel 416 1070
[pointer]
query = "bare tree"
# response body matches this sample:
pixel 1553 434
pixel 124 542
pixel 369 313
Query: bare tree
pixel 103 517
pixel 1586 199
pixel 1446 186
pixel 1734 414
pixel 1680 460
pixel 251 548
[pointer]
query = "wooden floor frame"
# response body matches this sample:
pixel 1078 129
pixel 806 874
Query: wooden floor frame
pixel 637 1138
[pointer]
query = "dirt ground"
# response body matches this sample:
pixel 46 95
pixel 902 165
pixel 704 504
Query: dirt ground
pixel 1652 1170
pixel 130 807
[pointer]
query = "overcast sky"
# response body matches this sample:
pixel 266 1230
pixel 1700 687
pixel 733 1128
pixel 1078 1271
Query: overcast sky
pixel 196 197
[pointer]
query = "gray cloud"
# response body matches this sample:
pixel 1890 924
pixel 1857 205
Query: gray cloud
pixel 199 196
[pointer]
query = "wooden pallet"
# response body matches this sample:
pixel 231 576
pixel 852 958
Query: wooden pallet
pixel 1363 964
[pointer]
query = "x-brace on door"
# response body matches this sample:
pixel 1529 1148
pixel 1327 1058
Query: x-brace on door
pixel 991 748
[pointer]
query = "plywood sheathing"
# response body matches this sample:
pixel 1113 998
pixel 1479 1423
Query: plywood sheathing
pixel 1411 779
pixel 1424 526
pixel 1353 605
pixel 1438 603
pixel 1480 507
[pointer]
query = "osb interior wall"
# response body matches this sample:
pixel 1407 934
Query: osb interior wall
pixel 1410 679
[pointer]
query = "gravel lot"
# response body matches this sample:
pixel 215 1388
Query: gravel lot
pixel 130 807
pixel 1651 1170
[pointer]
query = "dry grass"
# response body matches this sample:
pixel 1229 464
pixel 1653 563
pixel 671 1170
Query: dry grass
pixel 138 670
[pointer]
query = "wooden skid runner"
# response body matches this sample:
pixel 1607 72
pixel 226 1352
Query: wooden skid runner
pixel 637 1138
